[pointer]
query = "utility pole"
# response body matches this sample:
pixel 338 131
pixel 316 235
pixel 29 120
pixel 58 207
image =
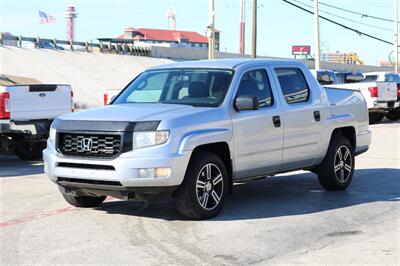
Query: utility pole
pixel 242 27
pixel 316 36
pixel 211 30
pixel 254 31
pixel 396 37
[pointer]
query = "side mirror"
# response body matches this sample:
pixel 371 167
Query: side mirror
pixel 246 102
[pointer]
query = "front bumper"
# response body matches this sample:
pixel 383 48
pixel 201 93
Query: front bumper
pixel 120 173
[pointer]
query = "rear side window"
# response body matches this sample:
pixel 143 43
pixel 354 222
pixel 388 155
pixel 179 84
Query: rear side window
pixel 392 78
pixel 293 85
pixel 256 83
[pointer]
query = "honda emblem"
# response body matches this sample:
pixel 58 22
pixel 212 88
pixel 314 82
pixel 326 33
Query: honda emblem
pixel 86 144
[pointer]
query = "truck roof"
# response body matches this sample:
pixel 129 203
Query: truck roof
pixel 225 63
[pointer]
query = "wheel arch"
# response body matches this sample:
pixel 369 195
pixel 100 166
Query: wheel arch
pixel 222 150
pixel 348 132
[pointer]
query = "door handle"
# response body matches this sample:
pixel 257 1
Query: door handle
pixel 317 116
pixel 277 121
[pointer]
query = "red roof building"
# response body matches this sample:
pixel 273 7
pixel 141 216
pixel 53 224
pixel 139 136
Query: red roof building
pixel 170 38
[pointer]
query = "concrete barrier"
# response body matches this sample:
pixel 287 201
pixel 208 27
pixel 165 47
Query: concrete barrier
pixel 88 73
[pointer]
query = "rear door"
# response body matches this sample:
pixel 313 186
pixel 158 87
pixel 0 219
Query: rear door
pixel 258 141
pixel 40 101
pixel 302 121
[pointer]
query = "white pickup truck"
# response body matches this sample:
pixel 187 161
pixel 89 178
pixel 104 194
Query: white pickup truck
pixel 26 112
pixel 380 94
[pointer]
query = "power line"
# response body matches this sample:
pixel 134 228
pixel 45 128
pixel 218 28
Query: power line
pixel 340 24
pixel 363 15
pixel 335 15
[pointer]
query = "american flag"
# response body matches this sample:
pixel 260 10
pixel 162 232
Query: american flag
pixel 45 18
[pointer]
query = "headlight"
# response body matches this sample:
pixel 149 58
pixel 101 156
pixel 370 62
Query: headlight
pixel 149 138
pixel 52 135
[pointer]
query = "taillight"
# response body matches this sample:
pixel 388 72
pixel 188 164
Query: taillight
pixel 373 91
pixel 105 98
pixel 398 90
pixel 72 101
pixel 4 105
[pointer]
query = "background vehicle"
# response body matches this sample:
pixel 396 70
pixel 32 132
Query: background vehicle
pixel 394 113
pixel 325 76
pixel 26 112
pixel 349 77
pixel 381 96
pixel 191 129
pixel 109 95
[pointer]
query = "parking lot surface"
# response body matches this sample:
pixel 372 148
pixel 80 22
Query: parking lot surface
pixel 283 219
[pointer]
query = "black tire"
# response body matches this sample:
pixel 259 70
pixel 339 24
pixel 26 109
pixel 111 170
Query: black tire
pixel 83 201
pixel 28 150
pixel 375 118
pixel 198 199
pixel 393 115
pixel 336 171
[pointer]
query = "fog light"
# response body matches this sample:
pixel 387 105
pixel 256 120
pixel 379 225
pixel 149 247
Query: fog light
pixel 154 172
pixel 163 172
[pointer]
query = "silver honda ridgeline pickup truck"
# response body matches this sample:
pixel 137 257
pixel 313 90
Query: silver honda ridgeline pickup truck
pixel 192 129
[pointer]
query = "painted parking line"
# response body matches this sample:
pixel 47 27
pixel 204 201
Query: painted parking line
pixel 42 215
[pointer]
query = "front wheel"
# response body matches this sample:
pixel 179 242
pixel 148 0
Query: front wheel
pixel 204 188
pixel 337 169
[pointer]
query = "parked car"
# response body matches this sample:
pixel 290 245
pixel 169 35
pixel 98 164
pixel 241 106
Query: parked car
pixel 394 113
pixel 192 129
pixel 325 76
pixel 26 112
pixel 349 77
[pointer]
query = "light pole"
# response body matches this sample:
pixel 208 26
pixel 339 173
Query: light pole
pixel 254 31
pixel 211 30
pixel 396 37
pixel 316 36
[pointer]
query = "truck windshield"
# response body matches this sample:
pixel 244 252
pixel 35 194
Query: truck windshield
pixel 196 87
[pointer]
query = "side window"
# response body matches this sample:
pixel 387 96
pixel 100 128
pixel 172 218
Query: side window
pixel 256 83
pixel 293 84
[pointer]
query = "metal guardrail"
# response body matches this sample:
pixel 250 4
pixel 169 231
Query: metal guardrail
pixel 114 48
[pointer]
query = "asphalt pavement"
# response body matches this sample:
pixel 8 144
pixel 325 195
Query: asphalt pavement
pixel 284 219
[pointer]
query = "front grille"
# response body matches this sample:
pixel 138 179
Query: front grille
pixel 90 144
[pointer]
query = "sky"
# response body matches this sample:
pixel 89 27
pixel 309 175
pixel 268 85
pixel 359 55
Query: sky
pixel 279 25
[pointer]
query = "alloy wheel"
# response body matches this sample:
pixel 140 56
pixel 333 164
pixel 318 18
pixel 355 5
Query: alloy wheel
pixel 343 164
pixel 209 186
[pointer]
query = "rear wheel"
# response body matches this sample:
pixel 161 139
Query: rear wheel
pixel 204 188
pixel 29 150
pixel 393 114
pixel 83 201
pixel 375 117
pixel 337 169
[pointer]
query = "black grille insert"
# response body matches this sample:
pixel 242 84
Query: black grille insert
pixel 87 166
pixel 88 181
pixel 90 144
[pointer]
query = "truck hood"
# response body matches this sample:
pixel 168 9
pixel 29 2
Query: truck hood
pixel 133 112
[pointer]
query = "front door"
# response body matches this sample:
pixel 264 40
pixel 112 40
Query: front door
pixel 258 142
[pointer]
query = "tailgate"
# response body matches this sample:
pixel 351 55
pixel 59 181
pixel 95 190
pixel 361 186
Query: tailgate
pixel 387 91
pixel 40 101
